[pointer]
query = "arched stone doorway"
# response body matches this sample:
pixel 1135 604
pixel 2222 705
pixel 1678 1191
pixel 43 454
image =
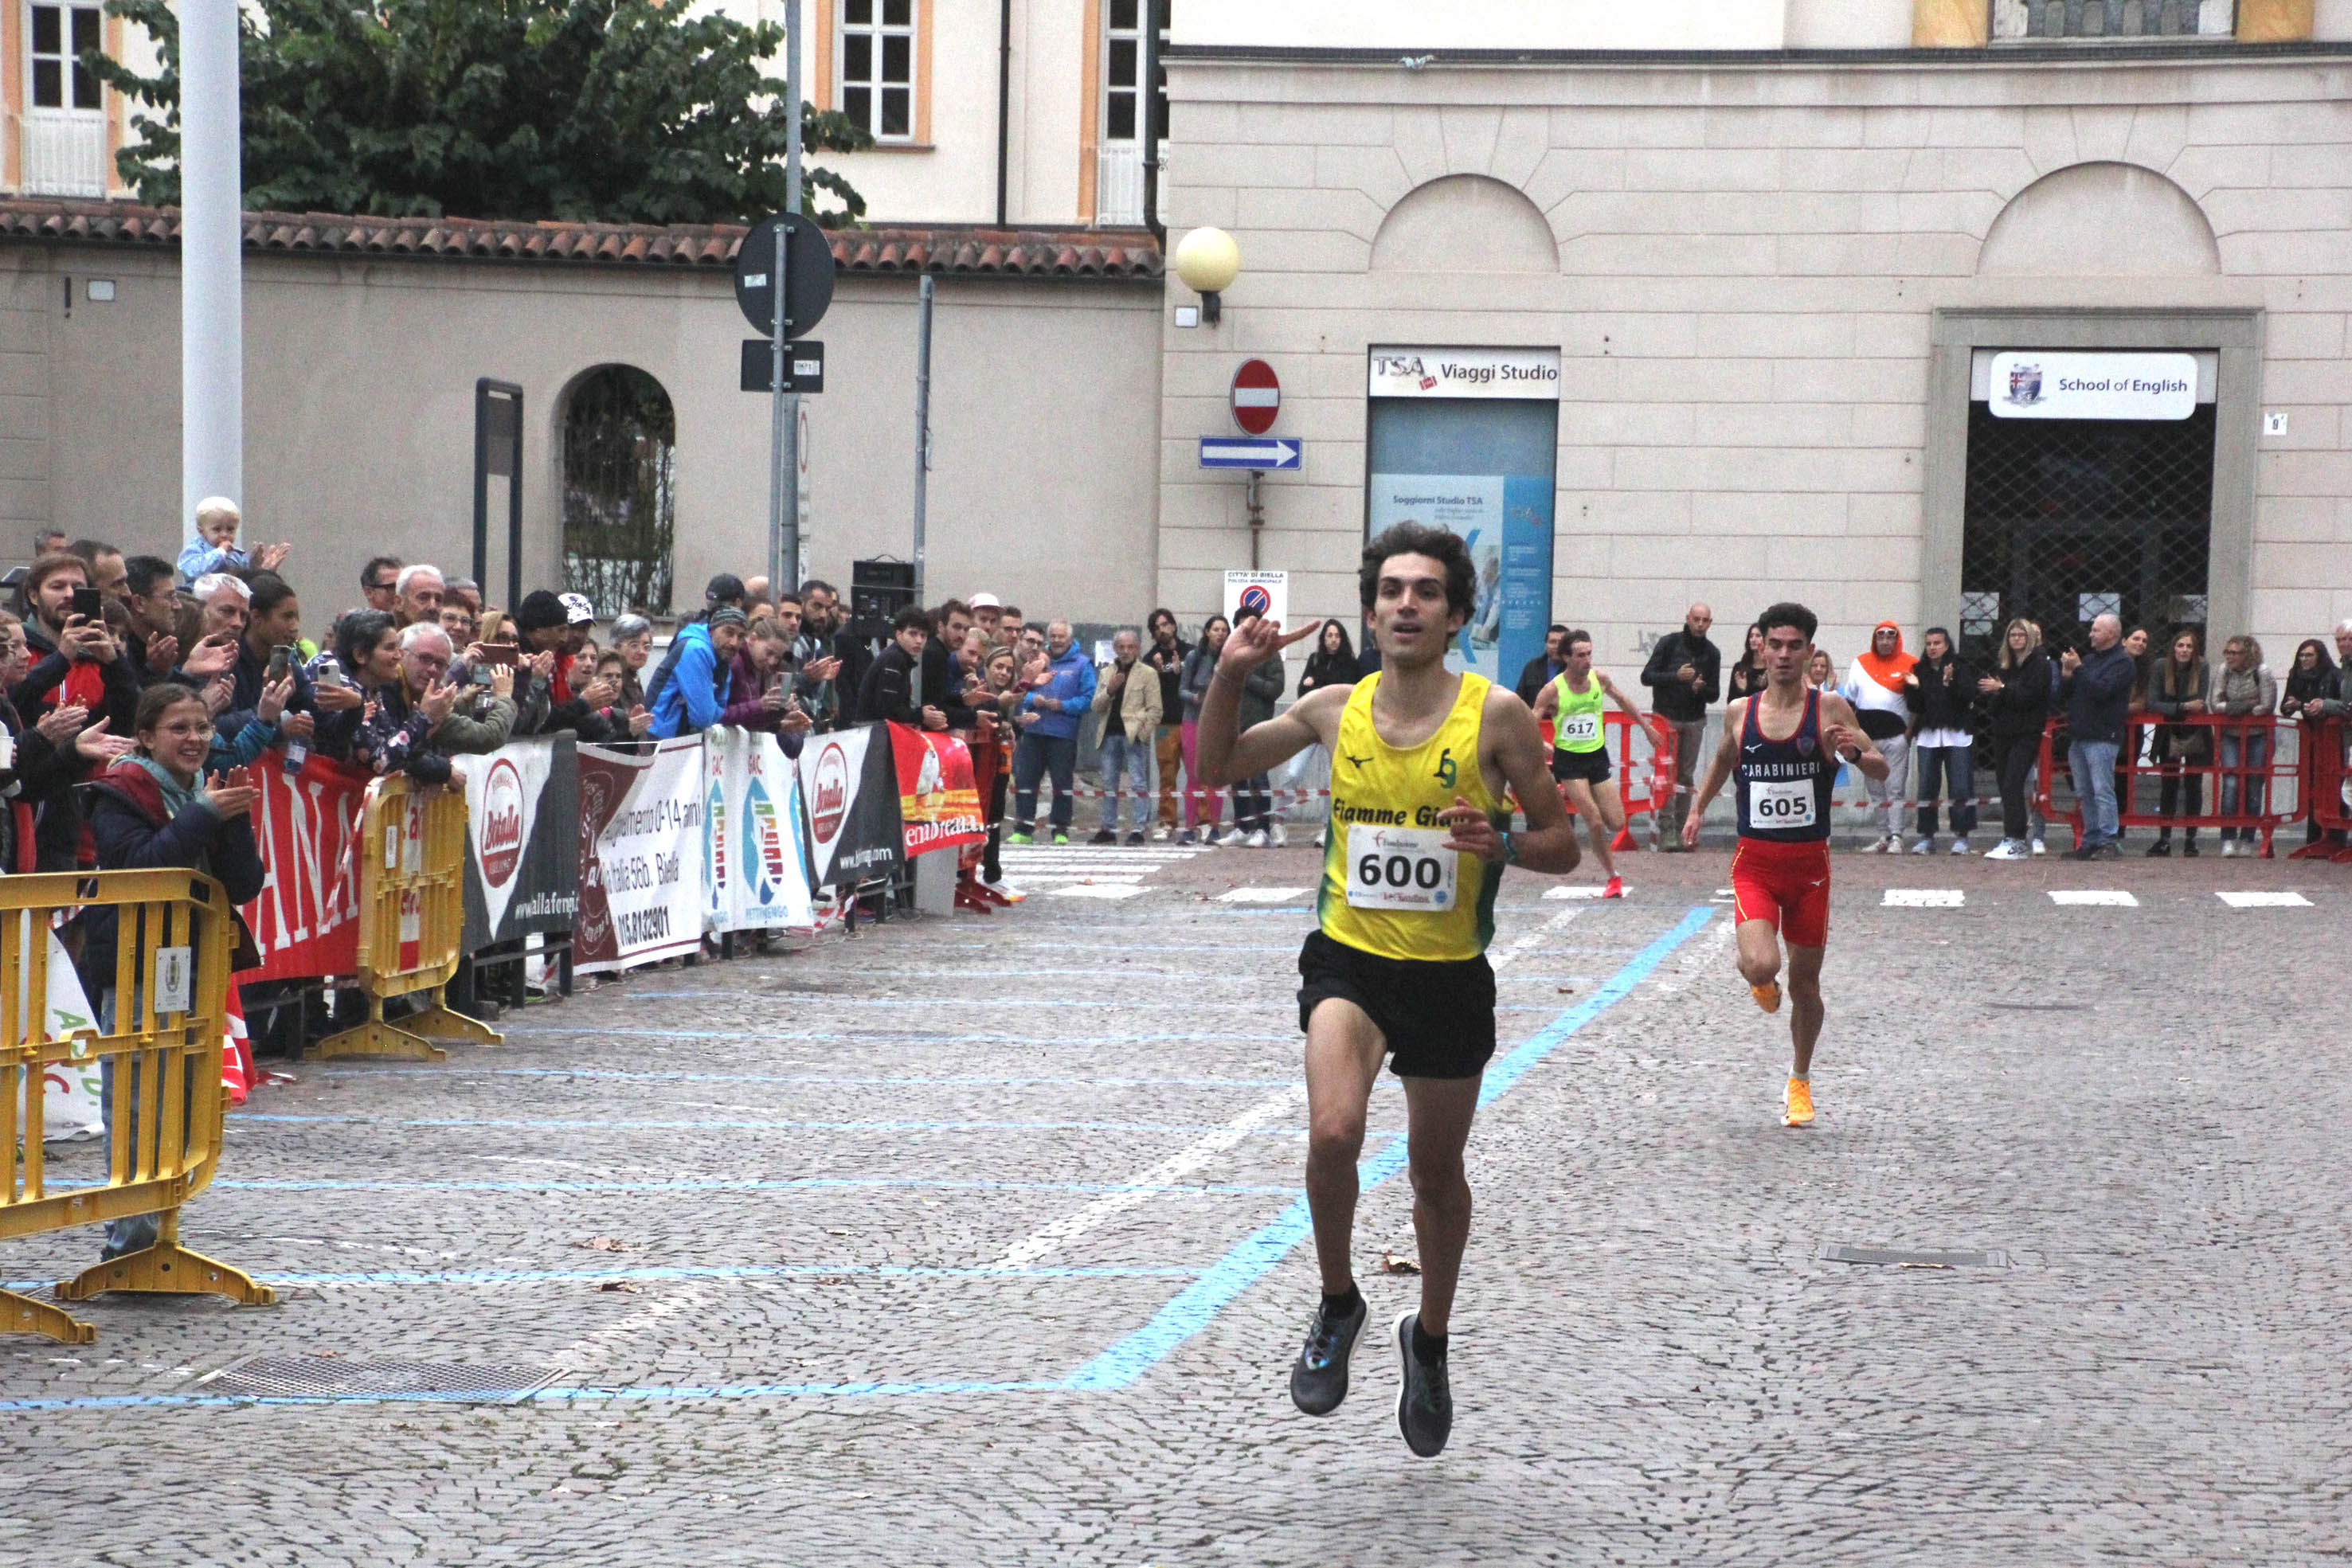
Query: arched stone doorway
pixel 620 489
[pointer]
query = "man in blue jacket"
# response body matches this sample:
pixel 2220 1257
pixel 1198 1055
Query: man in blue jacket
pixel 694 695
pixel 1049 716
pixel 2097 692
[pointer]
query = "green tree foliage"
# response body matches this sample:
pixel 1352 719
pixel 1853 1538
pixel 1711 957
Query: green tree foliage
pixel 588 110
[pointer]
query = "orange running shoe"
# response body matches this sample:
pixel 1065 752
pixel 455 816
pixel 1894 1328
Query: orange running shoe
pixel 1768 996
pixel 1616 889
pixel 1800 1111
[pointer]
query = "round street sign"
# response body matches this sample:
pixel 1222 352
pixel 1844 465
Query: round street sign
pixel 1257 397
pixel 808 275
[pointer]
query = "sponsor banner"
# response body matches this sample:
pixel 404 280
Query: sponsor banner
pixel 522 863
pixel 1465 372
pixel 2035 384
pixel 307 920
pixel 757 858
pixel 937 799
pixel 849 787
pixel 640 847
pixel 1506 520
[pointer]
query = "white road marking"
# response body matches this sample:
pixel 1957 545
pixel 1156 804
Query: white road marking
pixel 2106 898
pixel 1145 1185
pixel 1263 894
pixel 1577 891
pixel 1097 890
pixel 1925 898
pixel 2264 899
pixel 1113 878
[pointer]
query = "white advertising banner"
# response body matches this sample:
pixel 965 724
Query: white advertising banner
pixel 641 874
pixel 1530 373
pixel 752 833
pixel 1267 592
pixel 2032 384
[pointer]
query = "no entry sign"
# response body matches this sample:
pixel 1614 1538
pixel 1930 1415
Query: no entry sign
pixel 1257 397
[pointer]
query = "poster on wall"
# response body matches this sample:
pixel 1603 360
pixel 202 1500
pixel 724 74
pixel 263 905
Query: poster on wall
pixel 641 884
pixel 937 800
pixel 752 845
pixel 1467 439
pixel 850 789
pixel 522 863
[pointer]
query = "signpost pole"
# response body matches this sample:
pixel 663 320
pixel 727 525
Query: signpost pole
pixel 924 292
pixel 783 407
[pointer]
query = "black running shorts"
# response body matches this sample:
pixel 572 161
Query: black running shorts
pixel 1592 766
pixel 1437 1018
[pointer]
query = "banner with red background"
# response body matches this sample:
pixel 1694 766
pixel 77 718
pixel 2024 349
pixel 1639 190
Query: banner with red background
pixel 937 798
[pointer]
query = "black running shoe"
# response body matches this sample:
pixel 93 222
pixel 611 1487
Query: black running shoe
pixel 1318 1378
pixel 1424 1399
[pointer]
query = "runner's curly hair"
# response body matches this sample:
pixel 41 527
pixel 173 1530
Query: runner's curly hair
pixel 1786 613
pixel 1419 539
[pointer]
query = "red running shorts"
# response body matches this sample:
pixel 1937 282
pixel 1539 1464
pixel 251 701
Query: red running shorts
pixel 1788 884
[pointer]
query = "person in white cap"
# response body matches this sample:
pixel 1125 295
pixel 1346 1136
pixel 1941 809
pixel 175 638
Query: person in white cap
pixel 988 611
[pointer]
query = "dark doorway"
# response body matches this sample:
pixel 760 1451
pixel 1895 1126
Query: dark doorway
pixel 2065 519
pixel 620 490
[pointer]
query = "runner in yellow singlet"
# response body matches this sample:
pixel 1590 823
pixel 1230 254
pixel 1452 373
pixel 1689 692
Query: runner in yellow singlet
pixel 1420 761
pixel 1579 748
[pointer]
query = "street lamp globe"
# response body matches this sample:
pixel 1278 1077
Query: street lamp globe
pixel 1207 262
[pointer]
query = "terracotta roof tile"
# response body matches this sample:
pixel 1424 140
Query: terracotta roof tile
pixel 982 250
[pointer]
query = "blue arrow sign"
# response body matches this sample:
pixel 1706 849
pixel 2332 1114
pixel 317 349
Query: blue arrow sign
pixel 1247 451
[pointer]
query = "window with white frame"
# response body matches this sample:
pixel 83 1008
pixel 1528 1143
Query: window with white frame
pixel 1119 167
pixel 60 35
pixel 874 65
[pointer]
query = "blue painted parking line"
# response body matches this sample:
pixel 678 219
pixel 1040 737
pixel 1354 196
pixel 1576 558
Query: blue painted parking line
pixel 1118 1366
pixel 683 1271
pixel 739 1126
pixel 943 1081
pixel 1198 1304
pixel 720 1183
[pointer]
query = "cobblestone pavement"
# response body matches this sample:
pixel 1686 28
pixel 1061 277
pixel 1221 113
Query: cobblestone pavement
pixel 975 1241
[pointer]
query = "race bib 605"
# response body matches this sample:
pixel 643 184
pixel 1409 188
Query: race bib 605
pixel 1780 803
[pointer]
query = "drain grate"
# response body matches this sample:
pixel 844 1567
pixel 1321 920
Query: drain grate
pixel 1887 1257
pixel 328 1378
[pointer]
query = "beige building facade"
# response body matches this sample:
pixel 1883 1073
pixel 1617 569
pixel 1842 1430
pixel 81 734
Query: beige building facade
pixel 1774 278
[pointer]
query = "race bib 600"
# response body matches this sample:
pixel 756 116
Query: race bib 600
pixel 1401 868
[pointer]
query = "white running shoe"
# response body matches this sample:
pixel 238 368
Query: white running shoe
pixel 2228 846
pixel 1959 846
pixel 1274 835
pixel 1876 846
pixel 1159 835
pixel 1234 835
pixel 1257 841
pixel 1924 847
pixel 2039 847
pixel 2007 850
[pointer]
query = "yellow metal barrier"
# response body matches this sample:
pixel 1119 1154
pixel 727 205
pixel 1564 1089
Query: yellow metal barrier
pixel 412 850
pixel 164 1099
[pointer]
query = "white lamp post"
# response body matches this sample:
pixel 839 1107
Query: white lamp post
pixel 1207 262
pixel 211 287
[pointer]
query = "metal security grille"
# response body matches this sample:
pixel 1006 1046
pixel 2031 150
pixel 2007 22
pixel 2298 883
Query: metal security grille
pixel 2111 18
pixel 313 1377
pixel 2067 519
pixel 620 490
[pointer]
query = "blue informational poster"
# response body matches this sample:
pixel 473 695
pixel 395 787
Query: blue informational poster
pixel 1482 469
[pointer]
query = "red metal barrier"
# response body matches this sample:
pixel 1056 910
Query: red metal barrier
pixel 2279 777
pixel 2323 792
pixel 1645 766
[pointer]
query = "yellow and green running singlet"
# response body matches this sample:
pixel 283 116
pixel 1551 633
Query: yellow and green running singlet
pixel 1388 888
pixel 1576 724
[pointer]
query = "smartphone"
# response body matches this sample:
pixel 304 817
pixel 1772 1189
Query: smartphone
pixel 331 674
pixel 88 604
pixel 281 662
pixel 498 653
pixel 478 672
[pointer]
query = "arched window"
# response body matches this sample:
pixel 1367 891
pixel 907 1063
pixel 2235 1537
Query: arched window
pixel 620 489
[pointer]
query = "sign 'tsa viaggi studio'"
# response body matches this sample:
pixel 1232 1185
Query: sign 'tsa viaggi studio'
pixel 2027 383
pixel 1465 372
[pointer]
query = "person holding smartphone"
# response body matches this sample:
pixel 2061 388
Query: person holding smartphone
pixel 77 661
